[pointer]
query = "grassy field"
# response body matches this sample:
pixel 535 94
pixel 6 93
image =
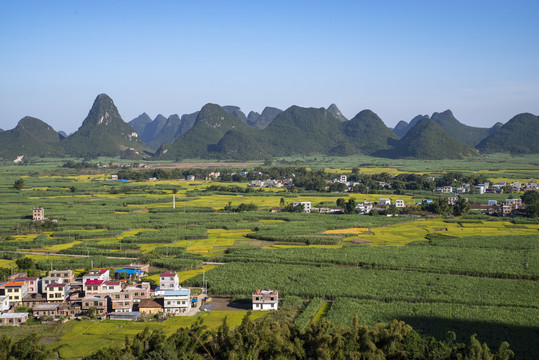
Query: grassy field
pixel 437 274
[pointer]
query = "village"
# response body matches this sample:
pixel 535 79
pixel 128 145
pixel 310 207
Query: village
pixel 99 295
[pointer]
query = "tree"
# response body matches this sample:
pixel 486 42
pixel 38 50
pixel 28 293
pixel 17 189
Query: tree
pixel 341 202
pixel 25 263
pixel 461 207
pixel 530 197
pixel 281 202
pixel 350 207
pixel 19 184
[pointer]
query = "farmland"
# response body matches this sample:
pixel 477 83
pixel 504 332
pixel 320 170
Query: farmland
pixel 436 273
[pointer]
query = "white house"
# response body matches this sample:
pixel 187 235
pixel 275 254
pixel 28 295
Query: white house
pixel 306 205
pixel 265 299
pixel 384 201
pixel 177 301
pixel 169 281
pixel 399 203
pixel 97 274
pixel 343 179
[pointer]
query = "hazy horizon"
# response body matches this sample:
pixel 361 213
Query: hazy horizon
pixel 399 59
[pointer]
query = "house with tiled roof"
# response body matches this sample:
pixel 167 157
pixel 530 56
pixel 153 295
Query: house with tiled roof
pixel 33 283
pixel 150 306
pixel 57 292
pixel 169 281
pixel 92 287
pixel 16 290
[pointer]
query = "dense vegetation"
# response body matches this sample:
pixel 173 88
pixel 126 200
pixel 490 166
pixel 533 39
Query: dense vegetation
pixel 276 337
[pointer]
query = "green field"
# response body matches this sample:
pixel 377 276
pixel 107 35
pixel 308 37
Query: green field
pixel 437 274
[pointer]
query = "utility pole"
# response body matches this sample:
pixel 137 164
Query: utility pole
pixel 174 201
pixel 204 282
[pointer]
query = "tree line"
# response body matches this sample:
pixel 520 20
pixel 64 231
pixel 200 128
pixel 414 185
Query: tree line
pixel 277 337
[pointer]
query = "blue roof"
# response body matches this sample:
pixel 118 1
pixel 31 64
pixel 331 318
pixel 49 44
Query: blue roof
pixel 128 271
pixel 186 292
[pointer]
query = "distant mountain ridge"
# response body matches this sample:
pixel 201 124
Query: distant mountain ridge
pixel 226 133
pixel 427 140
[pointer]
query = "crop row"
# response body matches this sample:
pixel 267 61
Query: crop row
pixel 518 326
pixel 307 314
pixel 332 282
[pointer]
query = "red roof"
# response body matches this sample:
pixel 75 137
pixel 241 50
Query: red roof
pixel 112 283
pixel 94 282
pixel 167 273
pixel 56 285
pixel 101 271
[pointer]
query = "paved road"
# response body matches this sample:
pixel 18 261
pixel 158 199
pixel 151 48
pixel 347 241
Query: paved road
pixel 71 255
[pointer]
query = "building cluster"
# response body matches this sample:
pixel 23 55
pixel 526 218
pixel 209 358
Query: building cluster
pixel 510 207
pixel 96 294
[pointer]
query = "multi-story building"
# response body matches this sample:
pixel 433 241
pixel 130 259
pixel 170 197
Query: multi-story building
pixel 92 287
pixel 97 274
pixel 57 277
pixel 99 302
pixel 265 299
pixel 140 291
pixel 177 301
pixel 33 283
pixel 399 203
pixel 38 214
pixel 122 302
pixel 169 281
pixel 306 205
pixel 57 292
pixel 16 290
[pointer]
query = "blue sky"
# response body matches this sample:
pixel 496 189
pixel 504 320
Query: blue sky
pixel 398 58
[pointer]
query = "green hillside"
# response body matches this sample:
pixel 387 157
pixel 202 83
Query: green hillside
pixel 467 134
pixel 104 133
pixel 31 136
pixel 300 130
pixel 367 133
pixel 519 135
pixel 427 140
pixel 212 123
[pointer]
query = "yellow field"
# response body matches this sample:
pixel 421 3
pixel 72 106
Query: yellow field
pixel 85 337
pixel 58 247
pixel 184 275
pixel 404 233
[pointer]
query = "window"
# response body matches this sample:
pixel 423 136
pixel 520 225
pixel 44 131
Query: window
pixel 183 302
pixel 9 290
pixel 117 296
pixel 120 304
pixel 95 303
pixel 111 287
pixel 141 294
pixel 126 296
pixel 168 302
